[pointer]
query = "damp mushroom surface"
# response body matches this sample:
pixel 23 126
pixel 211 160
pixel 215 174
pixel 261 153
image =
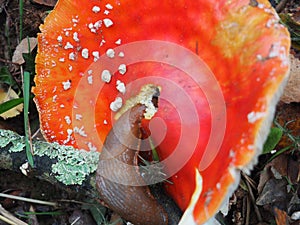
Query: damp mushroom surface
pixel 220 67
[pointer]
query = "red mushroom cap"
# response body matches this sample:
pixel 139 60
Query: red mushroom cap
pixel 87 50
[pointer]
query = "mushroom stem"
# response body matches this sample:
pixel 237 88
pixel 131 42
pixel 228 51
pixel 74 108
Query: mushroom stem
pixel 118 179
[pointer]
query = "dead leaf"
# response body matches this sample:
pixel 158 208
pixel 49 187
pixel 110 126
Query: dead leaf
pixel 6 95
pixel 294 169
pixel 292 90
pixel 277 168
pixel 281 217
pixel 46 2
pixel 23 48
pixel 274 191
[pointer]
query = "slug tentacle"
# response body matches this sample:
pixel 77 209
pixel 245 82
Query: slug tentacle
pixel 118 178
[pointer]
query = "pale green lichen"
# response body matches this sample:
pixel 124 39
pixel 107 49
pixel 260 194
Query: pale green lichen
pixel 72 166
pixel 7 137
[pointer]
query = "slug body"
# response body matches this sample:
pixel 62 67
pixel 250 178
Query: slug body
pixel 118 180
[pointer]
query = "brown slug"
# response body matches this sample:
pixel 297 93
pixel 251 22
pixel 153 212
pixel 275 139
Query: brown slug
pixel 118 179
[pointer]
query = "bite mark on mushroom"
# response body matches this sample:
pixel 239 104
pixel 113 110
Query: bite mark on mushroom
pixel 146 96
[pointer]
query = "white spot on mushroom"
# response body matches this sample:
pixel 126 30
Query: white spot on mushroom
pixel 72 56
pixel 97 24
pixel 231 153
pixel 251 147
pixel 120 87
pixel 110 53
pixel 68 120
pixel 105 122
pixel 91 25
pixel 53 63
pixel 80 131
pixel 61 59
pixel 102 42
pixel 122 69
pixel 75 37
pixel 259 57
pixel 54 98
pixel 75 20
pixel 92 147
pixel 66 85
pixel 106 12
pixel 254 116
pixel 260 5
pixel 116 104
pixel 85 53
pixel 59 38
pixel 90 79
pixel 78 116
pixel 70 68
pixel 108 22
pixel 96 9
pixel 90 72
pixel 69 132
pixel 68 45
pixel 270 22
pixel 278 51
pixel 121 54
pixel 109 6
pixel 118 42
pixel 274 52
pixel 67 29
pixel 96 55
pixel 106 76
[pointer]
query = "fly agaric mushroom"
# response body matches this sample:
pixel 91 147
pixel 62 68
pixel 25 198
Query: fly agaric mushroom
pixel 95 57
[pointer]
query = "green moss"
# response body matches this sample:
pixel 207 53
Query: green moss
pixel 72 166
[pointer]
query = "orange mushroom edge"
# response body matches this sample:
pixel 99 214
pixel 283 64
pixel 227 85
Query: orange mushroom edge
pixel 220 66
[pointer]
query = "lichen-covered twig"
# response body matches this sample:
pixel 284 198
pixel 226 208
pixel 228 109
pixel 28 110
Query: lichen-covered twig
pixel 62 165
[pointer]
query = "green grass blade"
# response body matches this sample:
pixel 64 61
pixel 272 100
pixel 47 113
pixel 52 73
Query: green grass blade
pixel 272 140
pixel 10 104
pixel 26 94
pixel 154 152
pixel 21 8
